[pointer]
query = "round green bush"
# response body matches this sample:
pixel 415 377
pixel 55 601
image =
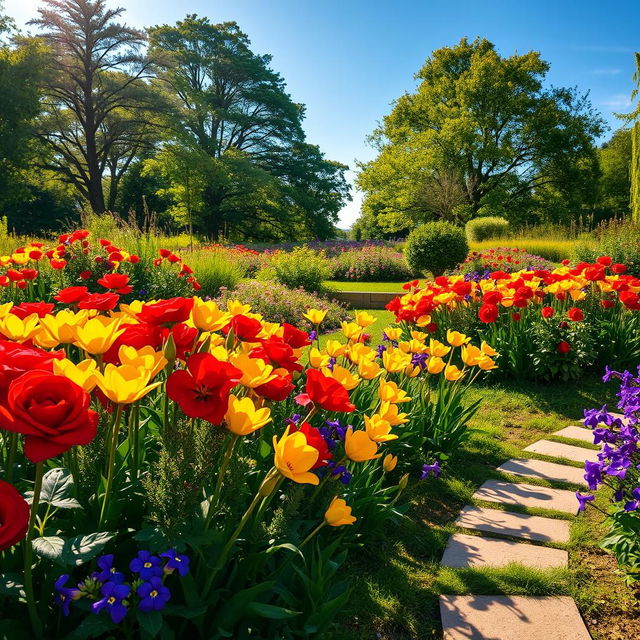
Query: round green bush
pixel 485 228
pixel 436 247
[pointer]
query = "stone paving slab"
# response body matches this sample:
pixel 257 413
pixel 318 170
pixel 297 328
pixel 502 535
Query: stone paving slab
pixel 528 495
pixel 560 450
pixel 576 433
pixel 517 525
pixel 532 468
pixel 511 618
pixel 475 551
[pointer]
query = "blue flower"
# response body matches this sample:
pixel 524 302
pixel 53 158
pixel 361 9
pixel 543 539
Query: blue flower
pixel 583 500
pixel 427 469
pixel 175 562
pixel 107 573
pixel 146 565
pixel 153 595
pixel 64 595
pixel 112 600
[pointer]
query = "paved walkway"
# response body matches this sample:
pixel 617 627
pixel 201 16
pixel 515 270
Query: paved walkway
pixel 519 617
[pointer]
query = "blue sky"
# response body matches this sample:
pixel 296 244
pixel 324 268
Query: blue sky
pixel 348 59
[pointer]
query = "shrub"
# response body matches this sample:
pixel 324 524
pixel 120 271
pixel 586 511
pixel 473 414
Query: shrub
pixel 618 240
pixel 370 264
pixel 435 247
pixel 486 227
pixel 502 258
pixel 302 267
pixel 281 304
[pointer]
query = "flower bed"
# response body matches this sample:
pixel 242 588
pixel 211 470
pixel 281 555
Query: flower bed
pixel 548 324
pixel 370 264
pixel 179 469
pixel 503 258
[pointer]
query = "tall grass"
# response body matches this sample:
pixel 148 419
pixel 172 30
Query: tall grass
pixel 551 249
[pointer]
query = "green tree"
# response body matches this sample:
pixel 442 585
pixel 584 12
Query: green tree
pixel 634 117
pixel 481 134
pixel 615 182
pixel 231 115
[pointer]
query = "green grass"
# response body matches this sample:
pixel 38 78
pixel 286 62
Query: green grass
pixel 383 319
pixel 398 577
pixel 551 249
pixel 335 285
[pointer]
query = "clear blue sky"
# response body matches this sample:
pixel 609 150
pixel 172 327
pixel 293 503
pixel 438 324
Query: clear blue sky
pixel 348 59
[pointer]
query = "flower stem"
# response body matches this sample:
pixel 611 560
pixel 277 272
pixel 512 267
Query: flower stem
pixel 115 430
pixel 313 533
pixel 36 623
pixel 213 503
pixel 11 455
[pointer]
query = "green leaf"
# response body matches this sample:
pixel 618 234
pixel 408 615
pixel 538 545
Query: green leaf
pixel 271 611
pixel 91 627
pixel 11 584
pixel 81 549
pixel 150 622
pixel 264 450
pixel 49 547
pixel 57 485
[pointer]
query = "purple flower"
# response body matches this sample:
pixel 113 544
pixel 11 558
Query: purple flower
pixel 313 335
pixel 113 601
pixel 593 474
pixel 175 562
pixel 65 595
pixel 583 500
pixel 107 573
pixel 427 469
pixel 146 565
pixel 153 595
pixel 634 504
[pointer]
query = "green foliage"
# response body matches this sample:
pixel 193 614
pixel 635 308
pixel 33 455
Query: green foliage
pixel 635 173
pixel 615 182
pixel 302 267
pixel 486 227
pixel 215 271
pixel 618 239
pixel 435 247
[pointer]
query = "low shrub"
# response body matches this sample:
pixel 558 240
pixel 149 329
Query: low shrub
pixel 370 264
pixel 503 258
pixel 281 304
pixel 485 228
pixel 552 250
pixel 302 267
pixel 619 240
pixel 435 247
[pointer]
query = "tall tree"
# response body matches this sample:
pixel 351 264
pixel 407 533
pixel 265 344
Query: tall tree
pixel 232 115
pixel 97 103
pixel 481 121
pixel 615 182
pixel 634 117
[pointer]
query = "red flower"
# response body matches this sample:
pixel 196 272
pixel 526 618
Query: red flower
pixel 14 516
pixel 605 261
pixel 575 314
pixel 51 411
pixel 138 336
pixel 630 300
pixel 202 388
pixel 85 275
pixel 277 389
pixel 117 281
pixel 294 337
pixel 167 311
pixel 14 276
pixel 492 297
pixel 245 328
pixel 27 308
pixel 547 312
pixel 315 439
pixel 515 316
pixel 29 274
pixel 99 301
pixel 164 253
pixel 184 338
pixel 133 259
pixel 327 393
pixel 618 268
pixel 566 262
pixel 432 327
pixel 488 313
pixel 277 352
pixel 607 304
pixel 71 295
pixel 58 264
pixel 563 347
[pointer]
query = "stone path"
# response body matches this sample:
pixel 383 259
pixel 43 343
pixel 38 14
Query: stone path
pixel 519 617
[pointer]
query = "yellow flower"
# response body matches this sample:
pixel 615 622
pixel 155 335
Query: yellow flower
pixel 390 392
pixel 393 333
pixel 206 315
pixel 364 319
pixel 378 429
pixel 129 312
pixel 435 365
pixel 577 295
pixel 423 321
pixel 237 308
pixel 452 373
pixel 335 348
pixel 347 379
pixel 43 339
pixel 82 373
pixel 338 513
pixel 242 417
pixel 471 355
pixel 390 413
pixel 294 457
pixel 419 335
pixel 487 350
pixel 146 359
pixel 359 447
pixel 389 463
pixel 18 329
pixel 351 330
pixel 395 361
pixel 456 339
pixel 5 308
pixel 438 349
pixel 412 371
pixel 124 384
pixel 368 369
pixel 317 359
pixel 315 316
pixel 98 334
pixel 255 371
pixel 357 351
pixel 61 327
pixel 487 364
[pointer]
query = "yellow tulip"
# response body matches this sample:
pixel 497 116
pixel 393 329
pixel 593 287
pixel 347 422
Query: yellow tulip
pixel 423 321
pixel 294 457
pixel 359 447
pixel 242 417
pixel 391 414
pixel 317 359
pixel 357 351
pixel 146 359
pixel 412 371
pixel 435 365
pixel 347 379
pixel 5 308
pixel 335 348
pixel 338 513
pixel 419 335
pixel 395 361
pixel 18 329
pixel 471 355
pixel 364 319
pixel 438 349
pixel 389 463
pixel 82 373
pixel 206 315
pixel 98 334
pixel 315 316
pixel 61 327
pixel 236 308
pixel 456 339
pixel 393 333
pixel 124 384
pixel 487 350
pixel 351 330
pixel 452 373
pixel 255 371
pixel 487 364
pixel 390 392
pixel 378 429
pixel 368 369
pixel 577 295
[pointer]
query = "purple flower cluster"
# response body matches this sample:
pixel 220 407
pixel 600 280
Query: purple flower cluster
pixel 428 469
pixel 369 264
pixel 111 592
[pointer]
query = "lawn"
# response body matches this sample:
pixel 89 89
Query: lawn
pixel 383 319
pixel 398 578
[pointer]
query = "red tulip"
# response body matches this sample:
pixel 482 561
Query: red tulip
pixel 327 393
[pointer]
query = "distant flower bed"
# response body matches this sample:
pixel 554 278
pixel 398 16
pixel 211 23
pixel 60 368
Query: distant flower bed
pixel 370 263
pixel 330 247
pixel 504 258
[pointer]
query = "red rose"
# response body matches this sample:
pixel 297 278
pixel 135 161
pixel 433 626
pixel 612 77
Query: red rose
pixel 563 347
pixel 202 388
pixel 14 516
pixel 327 392
pixel 618 268
pixel 99 301
pixel 547 312
pixel 51 411
pixel 575 314
pixel 167 311
pixel 277 389
pixel 27 308
pixel 488 313
pixel 71 295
